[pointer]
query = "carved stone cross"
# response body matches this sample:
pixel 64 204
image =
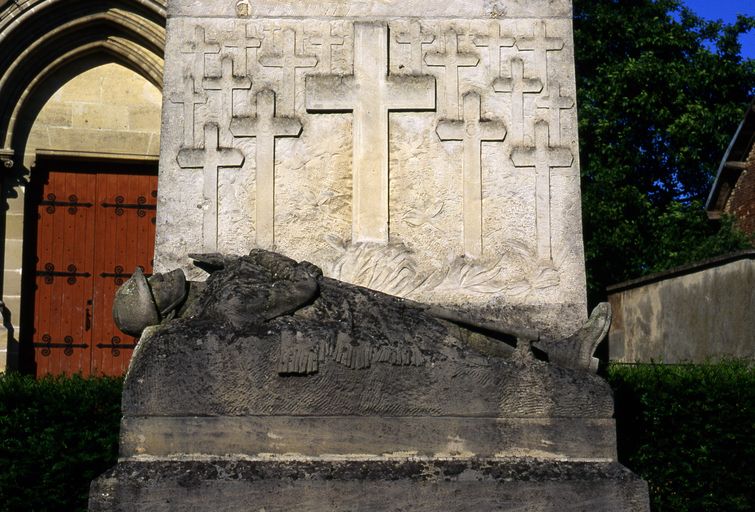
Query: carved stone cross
pixel 289 61
pixel 541 44
pixel 554 103
pixel 473 131
pixel 327 41
pixel 543 157
pixel 210 158
pixel 494 41
pixel 370 93
pixel 266 127
pixel 200 47
pixel 451 59
pixel 226 84
pixel 240 46
pixel 518 86
pixel 415 38
pixel 189 99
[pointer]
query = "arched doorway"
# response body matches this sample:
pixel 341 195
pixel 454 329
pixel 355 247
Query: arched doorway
pixel 80 96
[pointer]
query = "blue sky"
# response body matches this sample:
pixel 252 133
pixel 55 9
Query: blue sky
pixel 727 10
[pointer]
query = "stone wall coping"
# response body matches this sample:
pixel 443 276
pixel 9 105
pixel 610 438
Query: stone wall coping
pixel 682 270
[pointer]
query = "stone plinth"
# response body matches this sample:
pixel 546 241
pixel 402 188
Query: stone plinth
pixel 522 485
pixel 420 148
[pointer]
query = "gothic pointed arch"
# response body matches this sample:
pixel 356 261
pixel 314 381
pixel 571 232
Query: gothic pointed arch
pixel 39 37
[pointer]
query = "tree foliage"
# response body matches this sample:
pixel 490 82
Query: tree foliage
pixel 660 94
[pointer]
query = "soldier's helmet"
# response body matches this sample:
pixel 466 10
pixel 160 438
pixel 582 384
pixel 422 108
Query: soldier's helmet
pixel 140 302
pixel 134 308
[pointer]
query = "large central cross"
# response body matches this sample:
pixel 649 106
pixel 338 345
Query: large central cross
pixel 370 93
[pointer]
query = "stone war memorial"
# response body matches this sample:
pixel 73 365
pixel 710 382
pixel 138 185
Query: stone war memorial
pixel 369 288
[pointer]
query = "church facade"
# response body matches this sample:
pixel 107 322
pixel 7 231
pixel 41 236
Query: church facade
pixel 80 102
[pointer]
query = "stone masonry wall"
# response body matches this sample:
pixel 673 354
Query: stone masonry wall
pixel 741 202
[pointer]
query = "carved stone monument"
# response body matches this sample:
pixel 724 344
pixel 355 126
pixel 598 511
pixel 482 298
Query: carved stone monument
pixel 433 351
pixel 278 388
pixel 420 148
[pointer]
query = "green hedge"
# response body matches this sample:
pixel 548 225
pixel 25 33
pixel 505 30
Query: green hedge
pixel 56 435
pixel 688 430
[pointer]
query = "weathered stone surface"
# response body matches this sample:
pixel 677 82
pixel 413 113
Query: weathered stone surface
pixel 367 437
pixel 274 375
pixel 420 148
pixel 269 336
pixel 468 485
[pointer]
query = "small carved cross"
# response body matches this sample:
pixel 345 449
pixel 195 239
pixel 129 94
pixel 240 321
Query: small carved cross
pixel 541 44
pixel 518 86
pixel 415 38
pixel 289 61
pixel 451 59
pixel 554 103
pixel 265 127
pixel 327 41
pixel 473 131
pixel 200 47
pixel 241 46
pixel 226 83
pixel 209 158
pixel 543 157
pixel 494 41
pixel 189 98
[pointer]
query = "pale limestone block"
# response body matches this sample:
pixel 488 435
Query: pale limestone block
pixel 56 114
pixel 103 141
pixel 12 282
pixel 39 137
pixel 100 117
pixel 13 303
pixel 154 144
pixel 143 118
pixel 14 225
pixel 80 117
pixel 15 203
pixel 424 149
pixel 14 250
pixel 84 88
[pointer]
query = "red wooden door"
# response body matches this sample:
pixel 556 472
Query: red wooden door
pixel 93 229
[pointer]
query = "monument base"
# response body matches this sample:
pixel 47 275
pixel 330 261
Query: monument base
pixel 521 484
